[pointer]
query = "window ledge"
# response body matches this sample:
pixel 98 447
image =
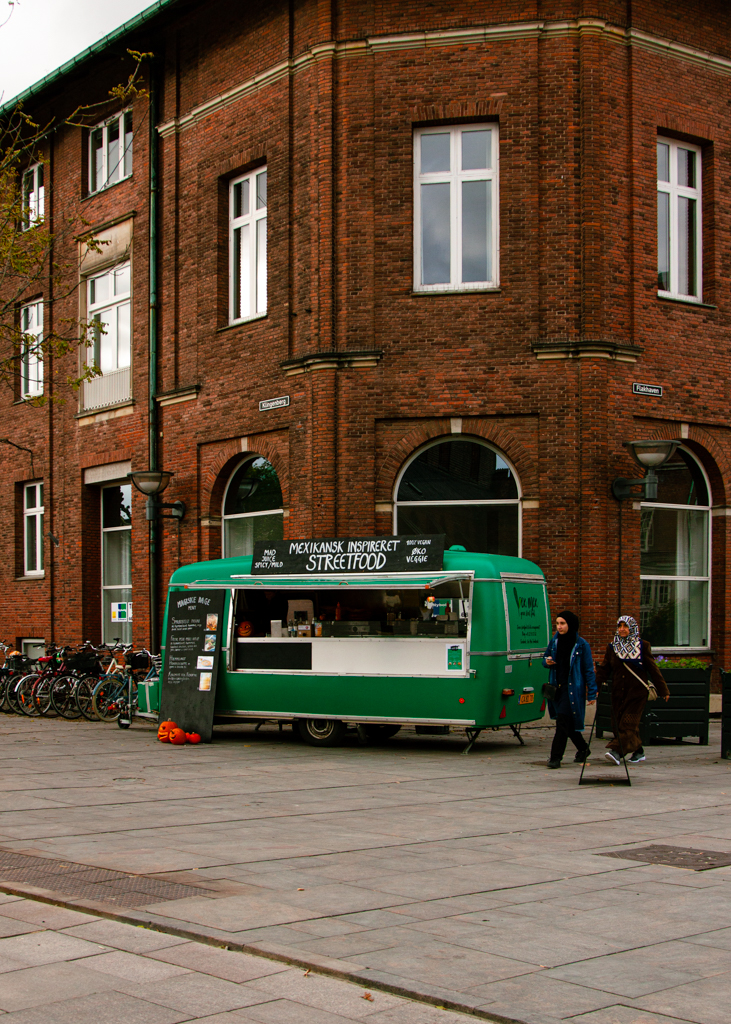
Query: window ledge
pixel 105 188
pixel 675 299
pixel 456 291
pixel 242 323
pixel 32 576
pixel 682 650
pixel 108 412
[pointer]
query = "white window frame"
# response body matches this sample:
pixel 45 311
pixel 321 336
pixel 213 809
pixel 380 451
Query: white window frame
pixel 33 194
pixel 654 577
pixel 33 517
pixel 111 172
pixel 247 247
pixel 675 192
pixel 455 177
pixel 461 503
pixel 110 588
pixel 31 353
pixel 227 518
pixel 95 309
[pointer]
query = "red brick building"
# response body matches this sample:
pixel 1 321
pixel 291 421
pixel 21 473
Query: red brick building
pixel 449 239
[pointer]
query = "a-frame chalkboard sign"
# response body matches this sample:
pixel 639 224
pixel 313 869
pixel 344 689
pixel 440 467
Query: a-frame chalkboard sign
pixel 192 653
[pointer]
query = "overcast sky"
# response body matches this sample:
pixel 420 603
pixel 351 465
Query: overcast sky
pixel 40 35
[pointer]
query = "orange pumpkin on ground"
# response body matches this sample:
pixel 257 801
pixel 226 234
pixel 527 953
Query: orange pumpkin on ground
pixel 192 737
pixel 164 730
pixel 177 736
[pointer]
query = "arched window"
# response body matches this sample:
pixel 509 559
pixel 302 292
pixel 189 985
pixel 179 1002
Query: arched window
pixel 464 489
pixel 675 559
pixel 252 508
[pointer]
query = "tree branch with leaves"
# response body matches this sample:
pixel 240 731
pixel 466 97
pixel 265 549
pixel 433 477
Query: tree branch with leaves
pixel 29 260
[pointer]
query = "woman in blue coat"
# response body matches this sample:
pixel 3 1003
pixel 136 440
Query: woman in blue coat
pixel 568 656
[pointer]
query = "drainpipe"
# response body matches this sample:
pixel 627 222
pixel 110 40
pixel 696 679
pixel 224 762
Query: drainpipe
pixel 152 372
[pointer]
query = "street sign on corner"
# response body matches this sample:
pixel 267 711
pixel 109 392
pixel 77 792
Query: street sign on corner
pixel 274 403
pixel 655 390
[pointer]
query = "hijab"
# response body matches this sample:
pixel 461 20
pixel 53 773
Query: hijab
pixel 564 646
pixel 628 648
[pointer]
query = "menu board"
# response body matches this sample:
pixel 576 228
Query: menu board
pixel 192 654
pixel 354 555
pixel 527 615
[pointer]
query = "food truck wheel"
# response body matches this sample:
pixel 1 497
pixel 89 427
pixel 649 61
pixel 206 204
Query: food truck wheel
pixel 320 732
pixel 376 733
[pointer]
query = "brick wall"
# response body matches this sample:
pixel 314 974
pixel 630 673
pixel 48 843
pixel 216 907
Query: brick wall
pixel 578 110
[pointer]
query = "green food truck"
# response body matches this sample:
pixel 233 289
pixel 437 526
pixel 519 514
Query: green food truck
pixel 374 633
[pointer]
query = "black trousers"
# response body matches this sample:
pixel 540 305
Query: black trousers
pixel 565 731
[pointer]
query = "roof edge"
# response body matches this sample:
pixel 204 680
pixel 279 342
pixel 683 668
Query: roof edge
pixel 90 51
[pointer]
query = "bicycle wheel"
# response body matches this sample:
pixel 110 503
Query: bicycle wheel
pixel 4 679
pixel 127 708
pixel 84 694
pixel 63 697
pixel 107 697
pixel 41 695
pixel 10 686
pixel 24 694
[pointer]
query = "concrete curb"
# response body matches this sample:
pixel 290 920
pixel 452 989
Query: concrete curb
pixel 444 999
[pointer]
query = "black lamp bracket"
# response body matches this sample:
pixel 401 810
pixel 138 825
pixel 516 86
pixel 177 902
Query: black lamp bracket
pixel 622 487
pixel 153 509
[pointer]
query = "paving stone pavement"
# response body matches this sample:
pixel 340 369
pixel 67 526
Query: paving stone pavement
pixel 61 966
pixel 477 882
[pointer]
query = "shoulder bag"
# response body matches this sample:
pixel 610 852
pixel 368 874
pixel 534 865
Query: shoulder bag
pixel 650 687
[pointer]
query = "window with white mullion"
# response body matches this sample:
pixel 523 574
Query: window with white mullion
pixel 31 362
pixel 33 195
pixel 248 246
pixel 675 557
pixel 679 221
pixel 455 203
pixel 33 514
pixel 108 308
pixel 110 151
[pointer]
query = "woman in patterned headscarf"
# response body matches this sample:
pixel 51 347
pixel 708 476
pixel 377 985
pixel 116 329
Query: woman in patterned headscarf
pixel 629 661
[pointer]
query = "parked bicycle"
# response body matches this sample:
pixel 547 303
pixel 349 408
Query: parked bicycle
pixel 93 682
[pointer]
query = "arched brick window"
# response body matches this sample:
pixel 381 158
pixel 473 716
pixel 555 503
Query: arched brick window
pixel 465 489
pixel 252 507
pixel 675 557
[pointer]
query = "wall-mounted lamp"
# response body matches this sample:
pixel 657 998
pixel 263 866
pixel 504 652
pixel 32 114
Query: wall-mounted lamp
pixel 649 455
pixel 152 482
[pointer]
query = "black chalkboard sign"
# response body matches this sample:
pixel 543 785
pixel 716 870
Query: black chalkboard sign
pixel 192 653
pixel 361 555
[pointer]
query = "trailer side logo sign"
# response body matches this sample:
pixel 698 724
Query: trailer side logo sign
pixel 526 605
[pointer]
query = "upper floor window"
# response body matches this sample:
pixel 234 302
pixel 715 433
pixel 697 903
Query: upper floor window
pixel 108 308
pixel 33 529
pixel 456 208
pixel 110 151
pixel 248 246
pixel 34 196
pixel 679 220
pixel 31 356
